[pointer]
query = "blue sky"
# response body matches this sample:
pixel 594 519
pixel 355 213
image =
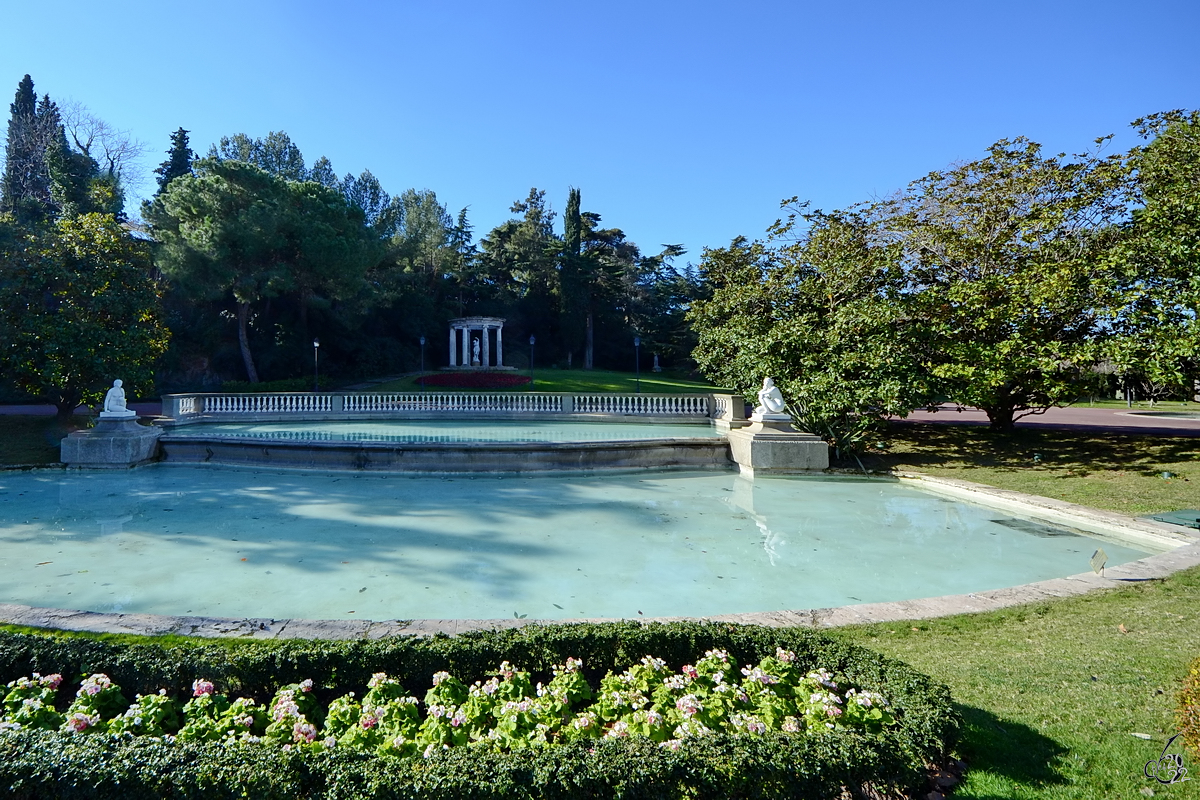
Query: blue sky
pixel 680 122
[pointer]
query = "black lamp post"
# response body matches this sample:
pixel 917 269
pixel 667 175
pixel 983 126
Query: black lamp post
pixel 637 362
pixel 422 378
pixel 316 345
pixel 532 342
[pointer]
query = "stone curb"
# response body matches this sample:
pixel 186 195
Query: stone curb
pixel 1183 553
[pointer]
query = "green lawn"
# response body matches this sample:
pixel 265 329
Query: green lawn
pixel 1139 405
pixel 1052 692
pixel 1115 472
pixel 578 380
pixel 32 440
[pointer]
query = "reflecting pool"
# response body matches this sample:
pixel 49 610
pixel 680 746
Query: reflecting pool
pixel 255 543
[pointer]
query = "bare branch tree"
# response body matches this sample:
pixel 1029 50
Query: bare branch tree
pixel 117 152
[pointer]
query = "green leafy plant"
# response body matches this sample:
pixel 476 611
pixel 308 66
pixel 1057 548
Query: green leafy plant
pixel 1187 714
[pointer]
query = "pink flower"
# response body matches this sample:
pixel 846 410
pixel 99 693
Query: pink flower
pixel 53 681
pixel 94 684
pixel 690 671
pixel 304 732
pixel 306 685
pixel 201 687
pixel 80 722
pixel 689 705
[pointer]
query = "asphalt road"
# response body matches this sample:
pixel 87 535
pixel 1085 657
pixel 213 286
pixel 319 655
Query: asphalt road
pixel 1112 420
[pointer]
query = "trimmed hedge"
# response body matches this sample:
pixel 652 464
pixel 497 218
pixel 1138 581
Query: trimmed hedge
pixel 36 764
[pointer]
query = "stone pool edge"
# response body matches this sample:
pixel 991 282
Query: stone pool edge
pixel 1184 553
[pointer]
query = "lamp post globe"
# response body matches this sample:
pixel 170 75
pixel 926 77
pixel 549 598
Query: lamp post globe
pixel 422 378
pixel 532 342
pixel 637 363
pixel 316 347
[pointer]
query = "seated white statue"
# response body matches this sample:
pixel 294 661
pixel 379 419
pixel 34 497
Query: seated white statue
pixel 114 402
pixel 115 399
pixel 770 400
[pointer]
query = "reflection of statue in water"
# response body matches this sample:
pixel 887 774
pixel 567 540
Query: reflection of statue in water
pixel 114 401
pixel 475 351
pixel 770 400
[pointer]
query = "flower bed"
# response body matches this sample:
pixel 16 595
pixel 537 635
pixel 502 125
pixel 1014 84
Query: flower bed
pixel 474 380
pixel 802 717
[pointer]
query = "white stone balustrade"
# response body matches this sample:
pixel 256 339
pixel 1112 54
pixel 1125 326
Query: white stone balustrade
pixel 183 408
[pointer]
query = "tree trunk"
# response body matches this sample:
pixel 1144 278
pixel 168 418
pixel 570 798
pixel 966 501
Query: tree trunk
pixel 244 342
pixel 66 403
pixel 1001 417
pixel 587 348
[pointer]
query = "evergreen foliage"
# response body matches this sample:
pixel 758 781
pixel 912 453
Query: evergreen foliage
pixel 178 163
pixel 33 127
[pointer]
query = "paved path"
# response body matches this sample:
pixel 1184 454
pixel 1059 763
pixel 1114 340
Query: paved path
pixel 1113 420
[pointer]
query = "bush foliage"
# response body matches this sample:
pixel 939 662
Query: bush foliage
pixel 42 763
pixel 1187 715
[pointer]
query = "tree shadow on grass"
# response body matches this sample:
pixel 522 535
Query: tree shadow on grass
pixel 1079 453
pixel 1009 750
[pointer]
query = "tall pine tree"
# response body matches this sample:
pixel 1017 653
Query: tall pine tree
pixel 179 160
pixel 25 191
pixel 575 294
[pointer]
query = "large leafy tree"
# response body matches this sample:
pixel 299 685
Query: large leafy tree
pixel 1005 260
pixel 78 308
pixel 819 308
pixel 1156 327
pixel 233 230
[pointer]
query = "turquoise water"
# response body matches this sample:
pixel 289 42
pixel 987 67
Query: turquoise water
pixel 418 431
pixel 243 543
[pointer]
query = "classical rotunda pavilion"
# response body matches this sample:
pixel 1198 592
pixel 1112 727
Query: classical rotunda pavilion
pixel 471 345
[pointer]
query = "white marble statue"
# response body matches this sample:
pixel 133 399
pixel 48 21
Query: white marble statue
pixel 770 400
pixel 475 351
pixel 114 403
pixel 115 399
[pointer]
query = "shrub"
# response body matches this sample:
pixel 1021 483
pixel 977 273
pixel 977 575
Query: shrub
pixel 36 763
pixel 1187 715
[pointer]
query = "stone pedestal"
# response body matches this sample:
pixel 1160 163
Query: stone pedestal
pixel 117 442
pixel 771 446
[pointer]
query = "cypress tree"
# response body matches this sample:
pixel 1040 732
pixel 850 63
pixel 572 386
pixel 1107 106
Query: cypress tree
pixel 572 225
pixel 179 160
pixel 23 160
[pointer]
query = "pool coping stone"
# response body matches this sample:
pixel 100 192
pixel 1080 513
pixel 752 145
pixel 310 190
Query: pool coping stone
pixel 1184 553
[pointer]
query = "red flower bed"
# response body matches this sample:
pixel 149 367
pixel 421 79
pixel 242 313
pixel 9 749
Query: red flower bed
pixel 475 380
